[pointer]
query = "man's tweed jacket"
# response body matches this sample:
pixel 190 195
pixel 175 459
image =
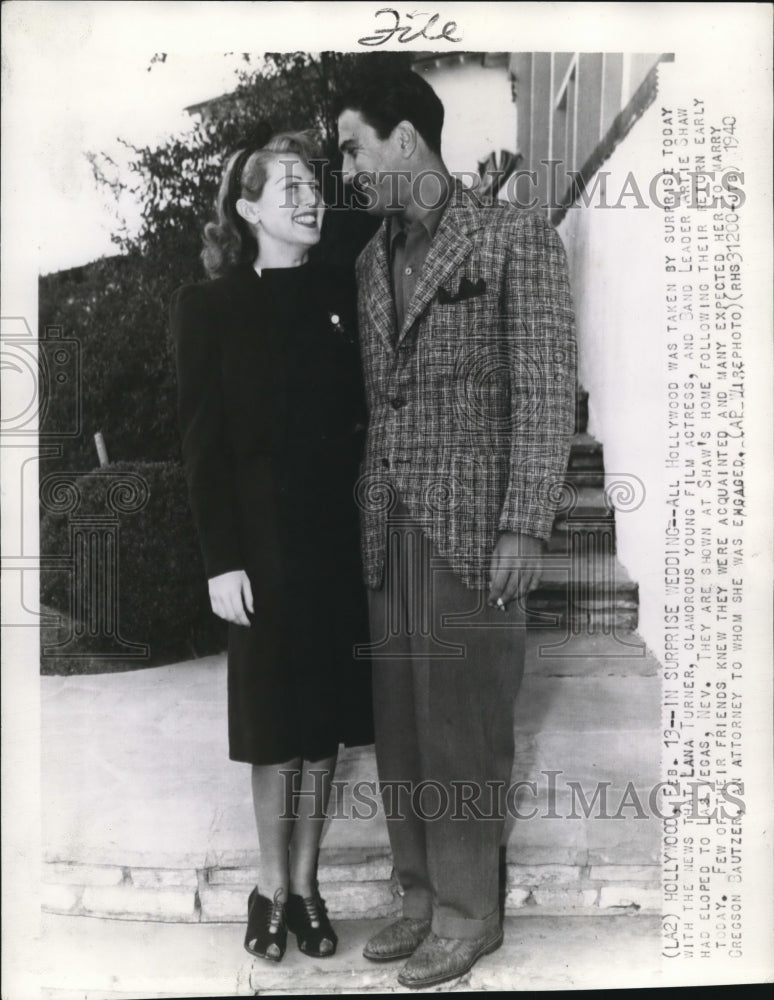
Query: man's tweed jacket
pixel 472 402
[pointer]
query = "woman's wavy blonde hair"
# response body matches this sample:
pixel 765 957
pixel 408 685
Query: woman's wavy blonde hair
pixel 229 241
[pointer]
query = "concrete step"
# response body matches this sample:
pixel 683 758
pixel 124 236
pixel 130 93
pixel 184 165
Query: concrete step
pixel 222 892
pixel 164 849
pixel 593 571
pixel 599 536
pixel 109 960
pixel 586 464
pixel 586 517
pixel 591 591
pixel 589 505
pixel 581 410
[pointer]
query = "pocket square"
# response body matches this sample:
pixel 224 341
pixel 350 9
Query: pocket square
pixel 468 289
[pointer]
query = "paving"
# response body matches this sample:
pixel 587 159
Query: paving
pixel 150 849
pixel 95 959
pixel 145 818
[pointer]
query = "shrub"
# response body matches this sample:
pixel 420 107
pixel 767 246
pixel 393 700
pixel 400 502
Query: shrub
pixel 113 317
pixel 161 593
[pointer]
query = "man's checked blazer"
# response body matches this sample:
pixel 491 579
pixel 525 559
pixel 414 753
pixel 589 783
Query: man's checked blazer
pixel 471 403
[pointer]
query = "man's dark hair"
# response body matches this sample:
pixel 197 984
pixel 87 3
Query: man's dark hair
pixel 389 98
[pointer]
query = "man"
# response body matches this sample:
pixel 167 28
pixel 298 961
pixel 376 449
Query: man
pixel 466 328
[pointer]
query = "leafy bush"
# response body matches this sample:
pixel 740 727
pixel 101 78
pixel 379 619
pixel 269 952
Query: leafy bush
pixel 113 316
pixel 162 598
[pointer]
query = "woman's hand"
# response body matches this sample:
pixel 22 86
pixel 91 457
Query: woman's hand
pixel 230 594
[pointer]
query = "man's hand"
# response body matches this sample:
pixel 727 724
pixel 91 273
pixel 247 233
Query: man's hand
pixel 230 594
pixel 508 578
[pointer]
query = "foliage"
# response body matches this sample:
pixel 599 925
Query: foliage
pixel 116 308
pixel 116 313
pixel 162 591
pixel 176 183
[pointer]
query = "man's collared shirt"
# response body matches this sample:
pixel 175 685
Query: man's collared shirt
pixel 409 244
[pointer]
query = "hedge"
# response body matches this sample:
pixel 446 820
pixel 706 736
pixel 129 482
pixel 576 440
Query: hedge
pixel 161 591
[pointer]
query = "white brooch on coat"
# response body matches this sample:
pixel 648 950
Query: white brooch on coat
pixel 340 327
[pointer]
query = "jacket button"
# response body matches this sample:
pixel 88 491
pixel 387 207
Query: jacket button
pixel 397 402
pixel 385 463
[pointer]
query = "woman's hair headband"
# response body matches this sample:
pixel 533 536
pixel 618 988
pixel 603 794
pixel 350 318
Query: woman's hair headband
pixel 236 174
pixel 248 145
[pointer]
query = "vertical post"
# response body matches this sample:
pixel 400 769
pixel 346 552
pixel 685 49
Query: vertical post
pixel 102 454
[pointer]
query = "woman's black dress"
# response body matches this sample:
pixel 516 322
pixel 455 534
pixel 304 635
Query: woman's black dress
pixel 272 414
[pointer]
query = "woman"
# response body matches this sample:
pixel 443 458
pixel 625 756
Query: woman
pixel 271 413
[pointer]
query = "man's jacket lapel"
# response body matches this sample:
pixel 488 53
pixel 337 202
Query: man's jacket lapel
pixel 381 306
pixel 450 246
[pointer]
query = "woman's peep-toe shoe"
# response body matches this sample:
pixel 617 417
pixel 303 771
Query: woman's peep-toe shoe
pixel 267 932
pixel 308 919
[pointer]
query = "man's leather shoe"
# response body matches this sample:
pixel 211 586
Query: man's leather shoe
pixel 397 940
pixel 439 959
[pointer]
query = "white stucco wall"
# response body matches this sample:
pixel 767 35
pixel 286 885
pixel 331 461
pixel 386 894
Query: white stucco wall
pixel 619 298
pixel 480 115
pixel 618 288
